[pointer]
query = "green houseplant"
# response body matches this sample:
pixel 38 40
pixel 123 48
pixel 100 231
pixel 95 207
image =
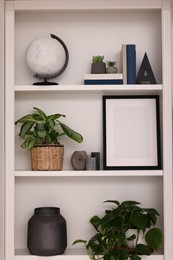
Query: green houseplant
pixel 41 132
pixel 111 68
pixel 111 241
pixel 98 65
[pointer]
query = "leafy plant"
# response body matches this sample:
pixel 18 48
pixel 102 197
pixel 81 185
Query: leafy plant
pixel 97 58
pixel 39 129
pixel 111 240
pixel 110 63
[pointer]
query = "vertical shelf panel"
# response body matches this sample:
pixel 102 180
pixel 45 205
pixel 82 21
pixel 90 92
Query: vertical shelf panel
pixel 2 189
pixel 9 135
pixel 167 133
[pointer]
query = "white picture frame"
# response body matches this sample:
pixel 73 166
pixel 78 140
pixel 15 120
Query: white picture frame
pixel 131 132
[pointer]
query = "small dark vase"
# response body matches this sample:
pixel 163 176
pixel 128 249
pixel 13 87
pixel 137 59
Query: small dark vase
pixel 47 233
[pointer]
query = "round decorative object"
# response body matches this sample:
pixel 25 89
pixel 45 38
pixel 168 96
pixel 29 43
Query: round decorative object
pixel 78 160
pixel 47 234
pixel 111 70
pixel 47 57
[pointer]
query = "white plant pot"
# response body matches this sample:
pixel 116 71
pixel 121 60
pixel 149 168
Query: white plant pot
pixel 141 238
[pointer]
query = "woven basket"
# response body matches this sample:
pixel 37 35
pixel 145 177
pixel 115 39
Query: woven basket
pixel 47 158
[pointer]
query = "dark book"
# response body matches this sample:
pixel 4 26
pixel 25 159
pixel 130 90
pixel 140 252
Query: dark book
pixel 103 81
pixel 131 63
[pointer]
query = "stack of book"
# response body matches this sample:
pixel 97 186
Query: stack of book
pixel 103 79
pixel 129 63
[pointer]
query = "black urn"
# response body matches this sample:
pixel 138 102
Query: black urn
pixel 47 232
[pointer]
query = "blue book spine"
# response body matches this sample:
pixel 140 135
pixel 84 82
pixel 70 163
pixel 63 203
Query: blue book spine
pixel 131 63
pixel 103 81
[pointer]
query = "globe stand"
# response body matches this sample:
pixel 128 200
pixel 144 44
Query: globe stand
pixel 45 82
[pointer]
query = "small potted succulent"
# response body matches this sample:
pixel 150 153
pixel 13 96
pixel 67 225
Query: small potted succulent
pixel 111 68
pixel 112 240
pixel 98 65
pixel 41 134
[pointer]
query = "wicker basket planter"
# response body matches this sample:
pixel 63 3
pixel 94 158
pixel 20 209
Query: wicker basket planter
pixel 47 158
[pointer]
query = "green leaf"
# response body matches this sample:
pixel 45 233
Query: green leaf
pixel 51 123
pixel 55 117
pixel 38 117
pixel 25 128
pixel 142 249
pixel 131 238
pixel 40 127
pixel 25 119
pixel 128 203
pixel 152 211
pixel 30 144
pixel 95 221
pixel 41 113
pixel 120 239
pixel 41 134
pixel 71 133
pixel 154 238
pixel 79 241
pixel 135 257
pixel 139 220
pixel 112 201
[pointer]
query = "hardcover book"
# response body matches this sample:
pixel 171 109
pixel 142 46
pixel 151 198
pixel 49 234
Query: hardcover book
pixel 129 63
pixel 103 81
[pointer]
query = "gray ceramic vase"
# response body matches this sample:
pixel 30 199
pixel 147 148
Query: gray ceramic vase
pixel 47 234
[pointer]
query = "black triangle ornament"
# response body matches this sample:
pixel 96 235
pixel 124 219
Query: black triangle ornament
pixel 145 74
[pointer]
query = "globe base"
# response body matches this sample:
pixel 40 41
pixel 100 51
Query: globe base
pixel 45 82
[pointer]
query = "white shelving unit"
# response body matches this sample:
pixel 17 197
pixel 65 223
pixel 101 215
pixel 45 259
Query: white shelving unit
pixel 89 28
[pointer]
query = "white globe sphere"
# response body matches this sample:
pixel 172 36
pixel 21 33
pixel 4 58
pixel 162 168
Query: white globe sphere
pixel 45 56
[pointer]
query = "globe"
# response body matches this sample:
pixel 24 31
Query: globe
pixel 47 57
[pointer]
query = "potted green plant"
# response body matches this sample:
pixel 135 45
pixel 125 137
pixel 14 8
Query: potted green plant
pixel 111 241
pixel 41 134
pixel 98 65
pixel 111 68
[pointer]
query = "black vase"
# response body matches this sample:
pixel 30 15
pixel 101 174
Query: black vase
pixel 47 232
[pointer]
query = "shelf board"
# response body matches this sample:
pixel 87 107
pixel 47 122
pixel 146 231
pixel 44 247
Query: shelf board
pixel 70 254
pixel 137 173
pixel 88 88
pixel 92 5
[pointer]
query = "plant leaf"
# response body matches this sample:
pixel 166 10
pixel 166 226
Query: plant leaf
pixel 41 134
pixel 71 133
pixel 95 222
pixel 30 144
pixel 55 117
pixel 139 220
pixel 154 238
pixel 112 201
pixel 25 128
pixel 25 119
pixel 135 257
pixel 79 241
pixel 142 249
pixel 41 113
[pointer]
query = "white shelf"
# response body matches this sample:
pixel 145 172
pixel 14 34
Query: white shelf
pixel 109 5
pixel 88 88
pixel 88 173
pixel 70 254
